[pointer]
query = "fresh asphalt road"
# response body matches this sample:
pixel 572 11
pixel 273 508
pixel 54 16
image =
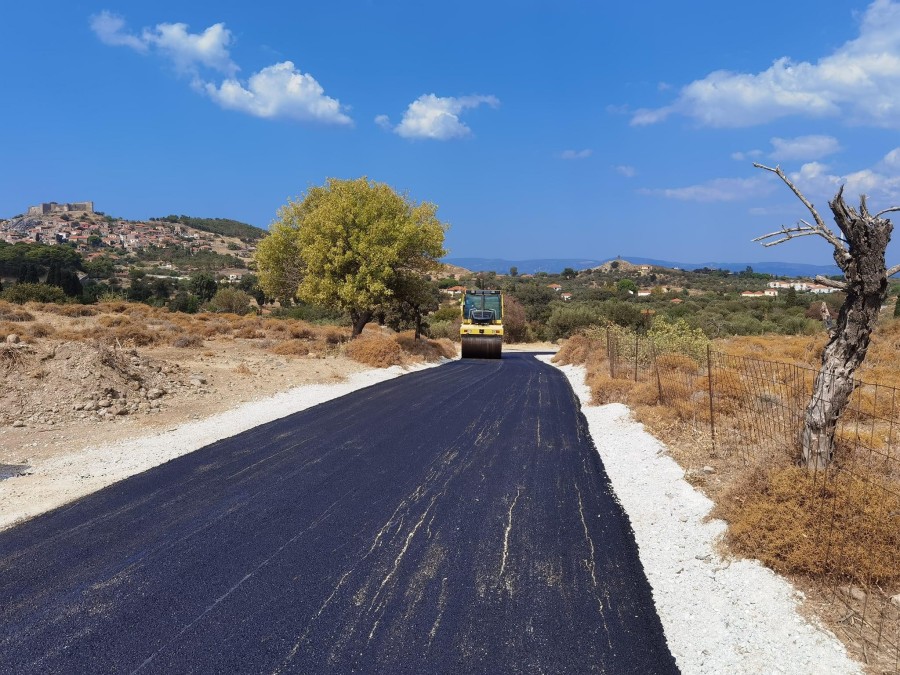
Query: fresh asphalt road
pixel 453 520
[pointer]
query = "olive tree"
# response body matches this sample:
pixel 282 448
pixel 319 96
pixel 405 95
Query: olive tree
pixel 351 245
pixel 860 253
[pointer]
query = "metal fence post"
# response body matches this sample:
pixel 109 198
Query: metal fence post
pixel 709 378
pixel 656 368
pixel 635 355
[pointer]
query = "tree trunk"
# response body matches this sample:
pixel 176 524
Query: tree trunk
pixel 866 286
pixel 359 318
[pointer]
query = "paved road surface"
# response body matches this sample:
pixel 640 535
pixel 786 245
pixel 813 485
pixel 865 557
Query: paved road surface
pixel 454 520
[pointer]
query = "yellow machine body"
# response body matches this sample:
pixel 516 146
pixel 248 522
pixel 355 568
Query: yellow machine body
pixel 481 332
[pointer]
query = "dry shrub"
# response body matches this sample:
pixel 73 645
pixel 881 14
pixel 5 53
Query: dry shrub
pixel 110 321
pixel 605 389
pixel 644 393
pixel 134 334
pixel 10 357
pixel 69 310
pixel 39 330
pixel 291 348
pixel 334 336
pixel 301 331
pixel 375 350
pixel 424 348
pixel 679 363
pixel 112 307
pixel 575 350
pixel 185 341
pixel 139 310
pixel 782 517
pixel 250 333
pixel 10 312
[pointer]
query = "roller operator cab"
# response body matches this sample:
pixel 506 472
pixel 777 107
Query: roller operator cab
pixel 481 331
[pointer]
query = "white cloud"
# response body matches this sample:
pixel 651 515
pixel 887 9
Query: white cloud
pixel 804 147
pixel 716 190
pixel 109 30
pixel 879 182
pixel 860 82
pixel 188 50
pixel 892 159
pixel 185 50
pixel 626 170
pixel 279 91
pixel 576 154
pixel 437 117
pixel 750 154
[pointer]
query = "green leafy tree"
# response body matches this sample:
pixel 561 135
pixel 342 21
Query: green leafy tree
pixel 626 286
pixel 231 300
pixel 249 283
pixel 897 307
pixel 203 285
pixel 536 299
pixel 139 291
pixel 351 244
pixel 414 297
pixel 184 302
pixel 513 271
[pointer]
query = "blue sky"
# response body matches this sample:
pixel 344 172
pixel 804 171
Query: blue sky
pixel 541 129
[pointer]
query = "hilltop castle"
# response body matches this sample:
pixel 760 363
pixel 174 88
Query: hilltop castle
pixel 53 207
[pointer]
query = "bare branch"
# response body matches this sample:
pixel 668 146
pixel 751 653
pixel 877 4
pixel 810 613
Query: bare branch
pixel 788 233
pixel 820 227
pixel 892 271
pixel 788 238
pixel 825 281
pixel 890 210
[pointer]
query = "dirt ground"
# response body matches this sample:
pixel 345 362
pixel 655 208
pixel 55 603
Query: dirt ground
pixel 49 417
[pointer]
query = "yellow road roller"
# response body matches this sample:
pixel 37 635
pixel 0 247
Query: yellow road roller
pixel 481 331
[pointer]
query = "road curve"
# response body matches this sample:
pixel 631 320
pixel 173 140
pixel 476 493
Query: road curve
pixel 453 520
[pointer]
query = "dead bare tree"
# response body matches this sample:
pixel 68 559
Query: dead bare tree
pixel 860 253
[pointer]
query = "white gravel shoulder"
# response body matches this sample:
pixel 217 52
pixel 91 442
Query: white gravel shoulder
pixel 719 616
pixel 59 481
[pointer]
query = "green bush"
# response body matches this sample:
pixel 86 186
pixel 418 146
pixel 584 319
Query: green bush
pixel 444 329
pixel 446 313
pixel 184 302
pixel 566 319
pixel 230 300
pixel 22 293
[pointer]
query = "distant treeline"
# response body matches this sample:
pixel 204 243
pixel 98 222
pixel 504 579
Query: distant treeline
pixel 40 257
pixel 222 226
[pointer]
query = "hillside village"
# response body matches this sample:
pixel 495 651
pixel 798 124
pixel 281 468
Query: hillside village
pixel 91 232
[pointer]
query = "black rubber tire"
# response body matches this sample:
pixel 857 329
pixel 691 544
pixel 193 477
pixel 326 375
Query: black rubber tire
pixel 482 346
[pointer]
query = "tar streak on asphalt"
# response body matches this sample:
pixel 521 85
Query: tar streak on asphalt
pixel 454 520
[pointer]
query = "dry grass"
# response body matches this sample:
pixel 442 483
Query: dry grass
pixel 798 522
pixel 67 310
pixel 187 341
pixel 291 348
pixel 11 312
pixel 381 349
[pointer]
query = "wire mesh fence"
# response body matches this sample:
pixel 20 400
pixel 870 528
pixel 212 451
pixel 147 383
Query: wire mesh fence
pixel 754 411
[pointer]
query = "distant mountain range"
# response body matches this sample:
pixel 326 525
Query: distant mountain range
pixel 557 265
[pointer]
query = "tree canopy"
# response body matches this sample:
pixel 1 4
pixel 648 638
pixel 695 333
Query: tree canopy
pixel 351 245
